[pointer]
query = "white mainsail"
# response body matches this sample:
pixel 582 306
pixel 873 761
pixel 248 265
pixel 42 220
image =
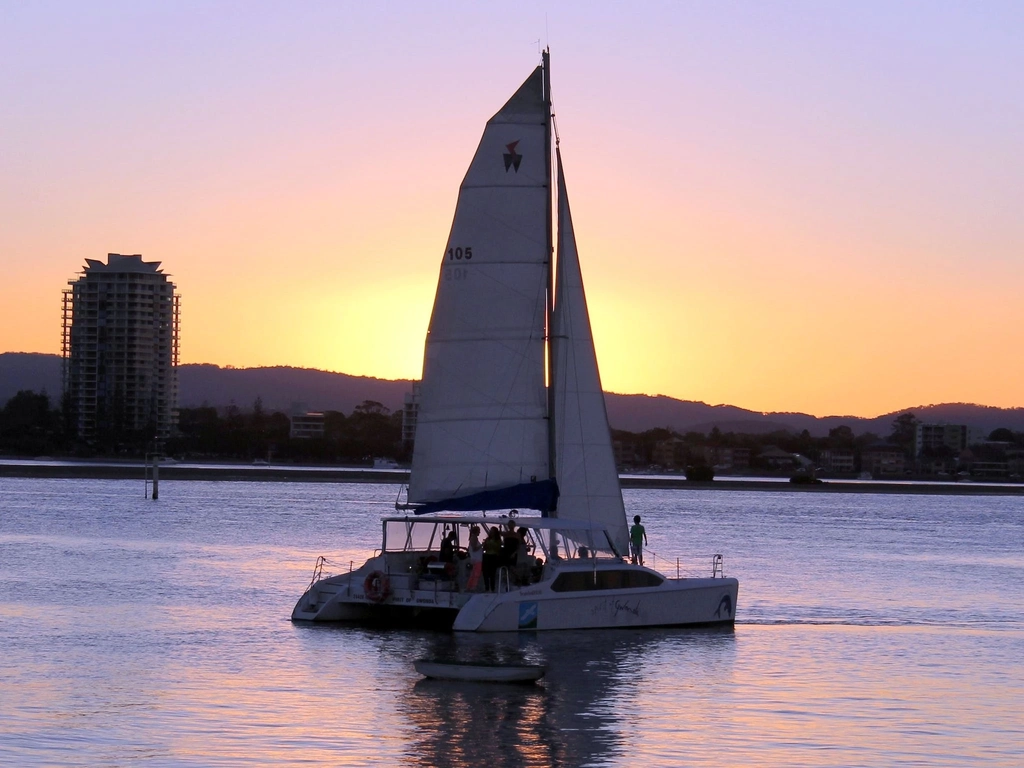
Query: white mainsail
pixel 588 481
pixel 482 421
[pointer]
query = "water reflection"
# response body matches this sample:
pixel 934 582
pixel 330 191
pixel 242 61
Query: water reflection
pixel 569 718
pixel 881 631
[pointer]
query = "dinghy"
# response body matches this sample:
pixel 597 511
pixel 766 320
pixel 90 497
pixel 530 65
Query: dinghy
pixel 479 673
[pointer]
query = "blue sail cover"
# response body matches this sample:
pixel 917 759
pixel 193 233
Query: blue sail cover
pixel 541 495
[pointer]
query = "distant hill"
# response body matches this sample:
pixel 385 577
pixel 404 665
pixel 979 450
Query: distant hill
pixel 280 387
pixel 744 427
pixel 29 370
pixel 638 413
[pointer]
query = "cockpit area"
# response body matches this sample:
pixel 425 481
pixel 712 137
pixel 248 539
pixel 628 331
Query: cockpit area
pixel 440 551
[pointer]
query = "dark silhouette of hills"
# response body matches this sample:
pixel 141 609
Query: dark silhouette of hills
pixel 638 413
pixel 29 370
pixel 280 387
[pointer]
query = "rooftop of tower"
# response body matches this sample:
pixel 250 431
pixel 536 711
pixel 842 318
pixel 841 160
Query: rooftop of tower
pixel 117 262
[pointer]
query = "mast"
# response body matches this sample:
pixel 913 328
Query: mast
pixel 549 309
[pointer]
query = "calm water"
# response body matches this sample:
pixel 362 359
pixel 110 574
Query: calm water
pixel 873 630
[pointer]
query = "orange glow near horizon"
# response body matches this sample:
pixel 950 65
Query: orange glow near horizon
pixel 758 224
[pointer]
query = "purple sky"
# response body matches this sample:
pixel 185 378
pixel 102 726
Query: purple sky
pixel 787 206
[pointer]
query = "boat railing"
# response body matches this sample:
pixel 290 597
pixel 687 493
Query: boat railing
pixel 504 581
pixel 717 567
pixel 318 570
pixel 717 564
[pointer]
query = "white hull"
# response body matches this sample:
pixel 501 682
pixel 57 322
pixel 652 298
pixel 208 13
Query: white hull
pixel 545 605
pixel 675 603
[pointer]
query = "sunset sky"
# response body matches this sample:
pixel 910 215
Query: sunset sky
pixel 804 206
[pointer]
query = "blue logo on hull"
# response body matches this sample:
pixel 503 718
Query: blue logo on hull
pixel 527 615
pixel 724 608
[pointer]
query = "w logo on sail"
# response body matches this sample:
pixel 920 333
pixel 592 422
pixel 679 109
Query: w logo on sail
pixel 512 158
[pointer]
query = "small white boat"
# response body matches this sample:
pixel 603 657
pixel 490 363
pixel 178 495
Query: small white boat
pixel 481 673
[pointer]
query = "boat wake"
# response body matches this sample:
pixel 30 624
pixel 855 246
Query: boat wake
pixel 884 622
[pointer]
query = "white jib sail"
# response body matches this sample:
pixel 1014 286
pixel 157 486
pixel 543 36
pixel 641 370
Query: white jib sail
pixel 588 481
pixel 482 414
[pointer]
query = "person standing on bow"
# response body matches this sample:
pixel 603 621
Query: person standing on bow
pixel 637 539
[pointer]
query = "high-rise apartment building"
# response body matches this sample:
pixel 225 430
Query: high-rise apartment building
pixel 120 350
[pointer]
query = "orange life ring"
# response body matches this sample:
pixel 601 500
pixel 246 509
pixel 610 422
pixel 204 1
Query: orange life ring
pixel 377 587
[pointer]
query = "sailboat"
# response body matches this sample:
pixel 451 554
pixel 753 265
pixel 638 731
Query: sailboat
pixel 512 417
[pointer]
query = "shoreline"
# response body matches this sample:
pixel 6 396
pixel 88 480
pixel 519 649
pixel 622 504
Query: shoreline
pixel 307 474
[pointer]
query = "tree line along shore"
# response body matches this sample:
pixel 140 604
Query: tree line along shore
pixel 30 426
pixel 140 471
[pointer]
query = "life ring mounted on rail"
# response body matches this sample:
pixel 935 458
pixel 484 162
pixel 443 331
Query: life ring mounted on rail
pixel 377 587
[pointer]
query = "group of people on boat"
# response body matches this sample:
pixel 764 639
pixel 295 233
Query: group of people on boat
pixel 478 566
pixel 508 548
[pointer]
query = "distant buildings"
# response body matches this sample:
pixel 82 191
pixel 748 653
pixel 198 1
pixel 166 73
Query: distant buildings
pixel 305 424
pixel 625 453
pixel 674 453
pixel 883 459
pixel 669 453
pixel 410 412
pixel 837 460
pixel 120 351
pixel 776 458
pixel 725 458
pixel 951 438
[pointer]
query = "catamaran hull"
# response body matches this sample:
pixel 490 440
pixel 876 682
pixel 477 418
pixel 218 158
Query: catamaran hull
pixel 341 599
pixel 676 603
pixel 370 615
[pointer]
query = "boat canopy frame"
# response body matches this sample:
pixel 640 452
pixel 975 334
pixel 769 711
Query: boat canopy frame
pixel 563 538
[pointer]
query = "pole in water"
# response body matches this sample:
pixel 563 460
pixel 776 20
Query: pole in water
pixel 156 476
